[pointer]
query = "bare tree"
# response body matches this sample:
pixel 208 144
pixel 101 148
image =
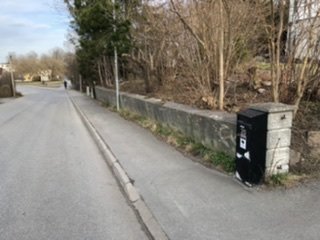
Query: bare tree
pixel 298 66
pixel 31 64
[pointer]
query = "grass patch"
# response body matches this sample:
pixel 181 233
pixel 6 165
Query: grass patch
pixel 49 84
pixel 278 179
pixel 197 149
pixel 186 144
pixel 287 180
pixel 263 66
pixel 131 116
pixel 224 160
pixel 162 130
pixel 105 104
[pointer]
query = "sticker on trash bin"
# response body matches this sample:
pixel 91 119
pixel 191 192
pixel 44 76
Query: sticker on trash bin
pixel 243 143
pixel 243 132
pixel 243 137
pixel 247 155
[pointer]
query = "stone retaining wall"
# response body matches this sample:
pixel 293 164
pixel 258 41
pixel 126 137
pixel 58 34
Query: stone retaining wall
pixel 5 86
pixel 215 130
pixel 313 140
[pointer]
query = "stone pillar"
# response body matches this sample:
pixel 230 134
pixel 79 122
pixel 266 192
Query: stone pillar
pixel 278 136
pixel 91 93
pixel 88 91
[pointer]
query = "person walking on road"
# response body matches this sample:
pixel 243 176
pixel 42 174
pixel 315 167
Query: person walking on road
pixel 65 84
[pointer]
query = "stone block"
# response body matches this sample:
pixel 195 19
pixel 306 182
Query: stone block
pixel 278 138
pixel 88 91
pixel 277 157
pixel 314 139
pixel 149 221
pixel 315 153
pixel 295 157
pixel 120 174
pixel 271 107
pixel 111 160
pixel 5 90
pixel 131 192
pixel 279 120
pixel 278 170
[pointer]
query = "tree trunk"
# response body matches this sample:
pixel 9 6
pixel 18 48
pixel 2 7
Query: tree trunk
pixel 278 53
pixel 147 80
pixel 100 74
pixel 107 77
pixel 221 59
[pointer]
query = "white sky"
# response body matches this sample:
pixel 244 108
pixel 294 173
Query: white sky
pixel 31 25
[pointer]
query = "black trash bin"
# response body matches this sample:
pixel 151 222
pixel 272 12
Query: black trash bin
pixel 251 145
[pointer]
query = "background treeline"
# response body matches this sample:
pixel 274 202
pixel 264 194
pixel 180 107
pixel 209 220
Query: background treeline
pixel 210 53
pixel 56 62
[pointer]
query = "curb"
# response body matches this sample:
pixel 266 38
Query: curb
pixel 144 214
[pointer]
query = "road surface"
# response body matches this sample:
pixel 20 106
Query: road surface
pixel 54 184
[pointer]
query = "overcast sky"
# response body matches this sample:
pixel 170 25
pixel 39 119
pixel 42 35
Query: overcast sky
pixel 31 25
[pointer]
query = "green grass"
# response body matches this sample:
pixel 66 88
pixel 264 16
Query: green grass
pixel 163 130
pixel 224 160
pixel 266 66
pixel 48 84
pixel 197 149
pixel 105 104
pixel 279 179
pixel 263 66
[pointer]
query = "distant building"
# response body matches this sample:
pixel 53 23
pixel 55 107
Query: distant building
pixel 5 67
pixel 304 27
pixel 45 75
pixel 27 77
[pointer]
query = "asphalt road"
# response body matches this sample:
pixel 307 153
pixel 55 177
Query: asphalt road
pixel 54 184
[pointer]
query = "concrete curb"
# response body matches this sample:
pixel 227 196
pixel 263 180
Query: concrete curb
pixel 137 203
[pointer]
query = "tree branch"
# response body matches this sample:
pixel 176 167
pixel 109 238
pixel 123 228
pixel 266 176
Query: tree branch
pixel 187 26
pixel 70 7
